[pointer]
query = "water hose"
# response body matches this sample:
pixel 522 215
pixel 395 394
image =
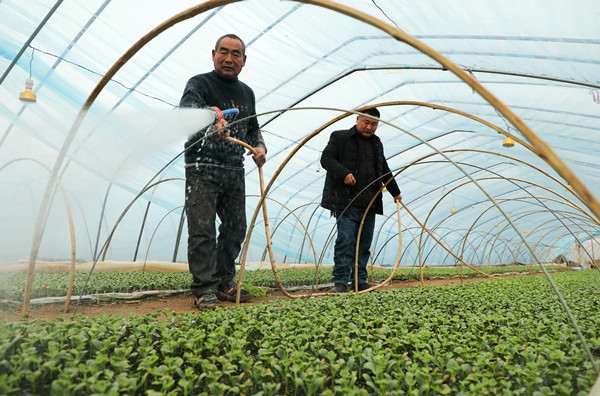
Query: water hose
pixel 227 115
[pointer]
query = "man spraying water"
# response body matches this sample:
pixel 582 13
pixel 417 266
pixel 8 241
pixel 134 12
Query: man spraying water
pixel 215 174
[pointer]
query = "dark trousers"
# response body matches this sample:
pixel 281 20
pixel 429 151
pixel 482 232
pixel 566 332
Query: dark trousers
pixel 344 255
pixel 210 193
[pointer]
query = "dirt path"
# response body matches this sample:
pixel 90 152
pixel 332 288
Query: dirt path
pixel 182 303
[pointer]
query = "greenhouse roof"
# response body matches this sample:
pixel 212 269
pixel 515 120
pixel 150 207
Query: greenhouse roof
pixel 452 81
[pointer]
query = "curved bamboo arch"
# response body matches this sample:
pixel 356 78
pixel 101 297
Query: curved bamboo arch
pixel 512 159
pixel 117 222
pixel 544 151
pixel 461 113
pixel 262 203
pixel 393 31
pixel 306 233
pixel 505 156
pixel 512 199
pixel 104 250
pixel 71 231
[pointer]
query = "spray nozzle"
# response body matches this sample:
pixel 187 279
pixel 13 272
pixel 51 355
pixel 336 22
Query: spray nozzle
pixel 228 114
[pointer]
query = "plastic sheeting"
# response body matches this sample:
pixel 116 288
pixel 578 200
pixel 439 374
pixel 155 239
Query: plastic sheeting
pixel 307 65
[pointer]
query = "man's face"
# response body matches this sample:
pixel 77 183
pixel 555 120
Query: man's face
pixel 229 58
pixel 366 126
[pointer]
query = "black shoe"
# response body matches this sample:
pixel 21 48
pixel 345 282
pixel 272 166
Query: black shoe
pixel 206 301
pixel 339 288
pixel 229 293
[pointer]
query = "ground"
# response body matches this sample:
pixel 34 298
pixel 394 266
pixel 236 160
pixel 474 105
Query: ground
pixel 181 303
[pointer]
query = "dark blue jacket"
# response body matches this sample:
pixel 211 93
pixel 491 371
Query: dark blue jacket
pixel 341 157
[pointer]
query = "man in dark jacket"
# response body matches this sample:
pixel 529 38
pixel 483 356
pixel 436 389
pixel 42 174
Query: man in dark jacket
pixel 215 175
pixel 356 169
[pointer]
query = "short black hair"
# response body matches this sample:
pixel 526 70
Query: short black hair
pixel 372 111
pixel 231 36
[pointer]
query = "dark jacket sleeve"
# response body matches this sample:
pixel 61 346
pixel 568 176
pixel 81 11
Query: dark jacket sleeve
pixel 331 157
pixel 392 187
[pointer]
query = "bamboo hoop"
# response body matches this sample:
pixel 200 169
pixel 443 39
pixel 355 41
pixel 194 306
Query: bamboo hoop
pixel 29 279
pixel 267 231
pixel 543 149
pixel 396 266
pixel 291 212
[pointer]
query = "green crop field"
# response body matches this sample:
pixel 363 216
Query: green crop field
pixel 506 336
pixel 55 284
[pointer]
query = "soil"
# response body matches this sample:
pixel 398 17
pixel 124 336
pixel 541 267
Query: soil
pixel 184 304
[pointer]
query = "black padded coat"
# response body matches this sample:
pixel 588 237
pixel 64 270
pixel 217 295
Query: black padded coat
pixel 341 157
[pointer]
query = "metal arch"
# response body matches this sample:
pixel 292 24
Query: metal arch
pixel 539 201
pixel 507 225
pixel 579 225
pixel 437 68
pixel 154 233
pixel 434 107
pixel 511 158
pixel 441 236
pixel 30 39
pixel 544 151
pixel 391 238
pixel 458 112
pixel 537 198
pixel 464 114
pixel 79 35
pixel 443 108
pixel 523 198
pixel 512 199
pixel 458 186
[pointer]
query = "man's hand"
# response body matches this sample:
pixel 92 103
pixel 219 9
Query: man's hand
pixel 350 180
pixel 398 198
pixel 220 130
pixel 260 158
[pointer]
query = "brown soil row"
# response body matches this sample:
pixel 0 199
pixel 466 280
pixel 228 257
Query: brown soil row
pixel 184 304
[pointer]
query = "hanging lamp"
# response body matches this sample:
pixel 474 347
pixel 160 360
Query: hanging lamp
pixel 508 142
pixel 28 95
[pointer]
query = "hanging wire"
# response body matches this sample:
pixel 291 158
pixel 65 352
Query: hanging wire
pixel 31 61
pixel 97 74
